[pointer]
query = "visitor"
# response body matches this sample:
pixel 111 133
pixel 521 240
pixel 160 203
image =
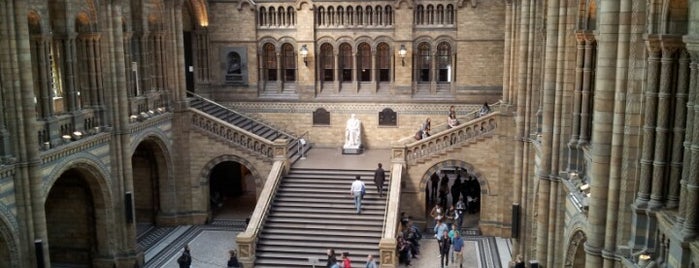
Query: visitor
pixel 444 246
pixel 379 178
pixel 357 190
pixel 233 260
pixel 457 245
pixel 370 262
pixel 485 109
pixel 185 260
pixel 332 260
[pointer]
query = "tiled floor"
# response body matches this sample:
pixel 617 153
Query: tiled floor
pixel 210 243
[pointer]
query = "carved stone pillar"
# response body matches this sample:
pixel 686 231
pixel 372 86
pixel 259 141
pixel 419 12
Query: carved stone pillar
pixel 41 46
pixel 689 228
pixel 577 98
pixel 587 86
pixel 201 37
pixel 651 95
pixel 678 131
pixel 687 156
pixel 280 74
pixel 70 61
pixel 662 123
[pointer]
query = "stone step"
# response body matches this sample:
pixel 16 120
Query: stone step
pixel 327 211
pixel 315 239
pixel 346 200
pixel 295 230
pixel 339 222
pixel 319 227
pixel 322 216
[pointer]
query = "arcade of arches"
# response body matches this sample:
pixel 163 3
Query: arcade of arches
pixel 592 141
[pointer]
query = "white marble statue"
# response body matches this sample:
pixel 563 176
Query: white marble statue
pixel 353 133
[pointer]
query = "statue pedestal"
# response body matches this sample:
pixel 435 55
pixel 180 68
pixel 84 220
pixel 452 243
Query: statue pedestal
pixel 352 149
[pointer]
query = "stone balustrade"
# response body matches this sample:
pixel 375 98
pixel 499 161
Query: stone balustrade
pixel 387 245
pixel 247 241
pixel 231 134
pixel 441 141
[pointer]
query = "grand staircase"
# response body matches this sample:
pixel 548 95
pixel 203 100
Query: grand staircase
pixel 249 124
pixel 313 211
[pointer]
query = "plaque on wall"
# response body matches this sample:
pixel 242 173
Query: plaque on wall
pixel 387 117
pixel 321 117
pixel 234 65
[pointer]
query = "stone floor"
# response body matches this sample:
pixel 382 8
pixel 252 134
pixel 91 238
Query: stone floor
pixel 210 243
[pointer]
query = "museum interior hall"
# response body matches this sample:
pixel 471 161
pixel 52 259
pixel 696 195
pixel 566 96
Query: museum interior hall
pixel 556 133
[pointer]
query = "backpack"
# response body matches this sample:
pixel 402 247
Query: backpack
pixel 363 189
pixel 418 135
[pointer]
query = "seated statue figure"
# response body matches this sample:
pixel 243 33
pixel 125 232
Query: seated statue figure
pixel 353 133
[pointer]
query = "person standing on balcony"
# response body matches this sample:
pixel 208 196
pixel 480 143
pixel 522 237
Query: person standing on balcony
pixel 357 190
pixel 379 178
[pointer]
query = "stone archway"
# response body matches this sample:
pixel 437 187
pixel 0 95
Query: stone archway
pixel 77 217
pixel 9 252
pixel 234 185
pixel 575 255
pixel 472 183
pixel 150 172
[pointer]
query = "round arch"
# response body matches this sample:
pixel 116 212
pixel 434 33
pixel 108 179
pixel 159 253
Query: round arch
pixel 8 233
pixel 95 178
pixel 151 176
pixel 575 254
pixel 206 170
pixel 485 188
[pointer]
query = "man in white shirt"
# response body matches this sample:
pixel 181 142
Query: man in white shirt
pixel 356 190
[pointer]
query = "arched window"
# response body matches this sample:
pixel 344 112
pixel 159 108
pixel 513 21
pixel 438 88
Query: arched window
pixel 423 62
pixel 331 16
pixel 360 14
pixel 368 18
pixel 289 62
pixel 280 16
pixel 383 62
pixel 364 62
pixel 263 14
pixel 291 16
pixel 430 14
pixel 450 14
pixel 270 62
pixel 321 14
pixel 271 17
pixel 327 62
pixel 389 15
pixel 350 16
pixel 420 15
pixel 379 15
pixel 444 62
pixel 440 14
pixel 346 62
pixel 340 16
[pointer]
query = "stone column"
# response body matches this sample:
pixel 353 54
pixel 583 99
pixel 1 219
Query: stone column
pixel 41 46
pixel 577 99
pixel 678 131
pixel 70 59
pixel 687 144
pixel 280 74
pixel 374 71
pixel 338 72
pixel 130 84
pixel 689 228
pixel 588 65
pixel 652 83
pixel 506 57
pixel 662 123
pixel 433 70
pixel 603 113
pixel 201 36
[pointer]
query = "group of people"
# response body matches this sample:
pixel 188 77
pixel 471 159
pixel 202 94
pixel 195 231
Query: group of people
pixel 185 259
pixel 450 243
pixel 465 195
pixel 408 240
pixel 345 261
pixel 452 121
pixel 358 188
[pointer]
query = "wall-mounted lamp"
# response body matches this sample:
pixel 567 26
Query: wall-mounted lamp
pixel 402 52
pixel 304 53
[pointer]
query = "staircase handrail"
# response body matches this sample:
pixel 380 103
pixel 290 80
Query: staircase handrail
pixel 468 117
pixel 247 241
pixel 238 136
pixel 391 221
pixel 299 146
pixel 456 136
pixel 243 115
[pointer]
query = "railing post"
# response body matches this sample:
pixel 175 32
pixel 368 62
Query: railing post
pixel 398 152
pixel 281 151
pixel 387 249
